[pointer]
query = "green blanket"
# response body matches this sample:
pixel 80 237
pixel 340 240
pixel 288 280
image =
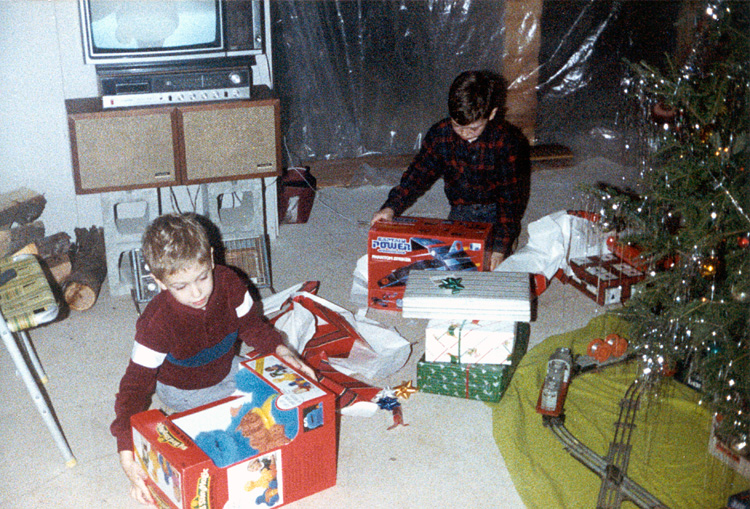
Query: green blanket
pixel 670 455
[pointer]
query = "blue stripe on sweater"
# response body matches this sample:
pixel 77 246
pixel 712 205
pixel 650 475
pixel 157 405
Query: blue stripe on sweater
pixel 207 355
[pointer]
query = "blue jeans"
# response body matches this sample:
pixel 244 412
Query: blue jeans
pixel 479 212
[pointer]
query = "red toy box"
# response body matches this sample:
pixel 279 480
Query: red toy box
pixel 414 243
pixel 606 279
pixel 271 445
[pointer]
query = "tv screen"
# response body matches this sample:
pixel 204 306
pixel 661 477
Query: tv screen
pixel 117 33
pixel 153 25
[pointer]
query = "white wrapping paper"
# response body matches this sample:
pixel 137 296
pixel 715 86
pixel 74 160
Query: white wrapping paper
pixel 553 241
pixel 383 351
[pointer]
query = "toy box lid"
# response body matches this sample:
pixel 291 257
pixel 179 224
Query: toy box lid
pixel 430 226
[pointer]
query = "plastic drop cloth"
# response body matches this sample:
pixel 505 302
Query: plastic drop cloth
pixel 371 76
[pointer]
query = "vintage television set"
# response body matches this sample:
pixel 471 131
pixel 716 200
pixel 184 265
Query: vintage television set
pixel 155 51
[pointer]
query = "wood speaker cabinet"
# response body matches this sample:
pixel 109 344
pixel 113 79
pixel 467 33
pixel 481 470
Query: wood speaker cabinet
pixel 227 141
pixel 156 146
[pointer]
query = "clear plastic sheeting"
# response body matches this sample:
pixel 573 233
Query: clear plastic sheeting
pixel 371 76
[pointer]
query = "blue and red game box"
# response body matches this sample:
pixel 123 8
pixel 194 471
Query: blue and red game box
pixel 397 247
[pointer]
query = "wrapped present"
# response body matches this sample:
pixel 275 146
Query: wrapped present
pixel 606 279
pixel 398 247
pixel 499 296
pixel 272 445
pixel 486 382
pixel 469 342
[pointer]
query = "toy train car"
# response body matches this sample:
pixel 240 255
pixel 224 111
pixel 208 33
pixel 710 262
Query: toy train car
pixel 555 387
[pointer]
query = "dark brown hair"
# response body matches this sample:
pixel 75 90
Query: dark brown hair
pixel 474 94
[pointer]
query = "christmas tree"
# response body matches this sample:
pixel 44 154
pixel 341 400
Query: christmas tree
pixel 690 216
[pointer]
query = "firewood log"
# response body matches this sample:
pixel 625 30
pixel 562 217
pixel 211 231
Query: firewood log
pixel 13 239
pixel 20 206
pixel 89 268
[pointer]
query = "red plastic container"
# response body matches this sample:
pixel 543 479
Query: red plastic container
pixel 297 188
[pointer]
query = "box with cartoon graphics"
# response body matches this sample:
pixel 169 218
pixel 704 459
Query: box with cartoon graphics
pixel 397 247
pixel 270 445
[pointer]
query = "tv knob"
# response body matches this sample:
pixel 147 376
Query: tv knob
pixel 235 78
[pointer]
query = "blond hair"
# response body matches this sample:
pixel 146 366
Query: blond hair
pixel 174 242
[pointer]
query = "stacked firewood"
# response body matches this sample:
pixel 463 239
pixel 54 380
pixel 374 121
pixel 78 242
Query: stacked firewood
pixel 78 268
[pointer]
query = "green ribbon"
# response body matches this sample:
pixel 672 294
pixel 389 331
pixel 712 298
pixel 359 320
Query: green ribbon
pixel 452 283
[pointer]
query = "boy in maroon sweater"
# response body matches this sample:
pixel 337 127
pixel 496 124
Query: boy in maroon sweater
pixel 186 340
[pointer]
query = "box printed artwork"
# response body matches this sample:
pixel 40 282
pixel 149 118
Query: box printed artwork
pixel 270 445
pixel 397 247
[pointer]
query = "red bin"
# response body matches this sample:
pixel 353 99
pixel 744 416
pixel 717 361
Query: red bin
pixel 297 190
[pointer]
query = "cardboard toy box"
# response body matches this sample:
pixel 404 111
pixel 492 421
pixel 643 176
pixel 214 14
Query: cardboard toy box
pixel 724 453
pixel 272 445
pixel 486 382
pixel 469 341
pixel 500 296
pixel 605 279
pixel 414 243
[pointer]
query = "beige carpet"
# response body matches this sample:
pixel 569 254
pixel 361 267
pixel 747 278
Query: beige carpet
pixel 446 457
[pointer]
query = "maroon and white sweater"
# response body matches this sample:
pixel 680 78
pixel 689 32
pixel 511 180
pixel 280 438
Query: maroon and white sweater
pixel 189 348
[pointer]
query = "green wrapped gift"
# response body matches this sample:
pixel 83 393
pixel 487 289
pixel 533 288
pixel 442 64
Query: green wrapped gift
pixel 486 382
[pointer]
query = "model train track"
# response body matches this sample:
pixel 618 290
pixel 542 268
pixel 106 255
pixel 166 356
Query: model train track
pixel 612 469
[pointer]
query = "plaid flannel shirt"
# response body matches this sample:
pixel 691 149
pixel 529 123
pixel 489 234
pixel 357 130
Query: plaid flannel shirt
pixel 492 169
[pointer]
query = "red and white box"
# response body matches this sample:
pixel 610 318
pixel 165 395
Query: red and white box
pixel 722 451
pixel 469 341
pixel 397 247
pixel 606 279
pixel 271 445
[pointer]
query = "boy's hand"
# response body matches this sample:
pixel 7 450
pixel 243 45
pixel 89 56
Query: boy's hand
pixel 385 214
pixel 496 259
pixel 137 477
pixel 292 358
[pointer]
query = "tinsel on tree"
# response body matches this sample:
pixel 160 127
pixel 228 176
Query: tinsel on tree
pixel 690 215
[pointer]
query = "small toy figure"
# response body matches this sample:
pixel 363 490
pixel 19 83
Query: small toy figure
pixel 398 417
pixel 313 418
pixel 260 428
pixel 387 400
pixel 267 481
pixel 299 384
pixel 276 370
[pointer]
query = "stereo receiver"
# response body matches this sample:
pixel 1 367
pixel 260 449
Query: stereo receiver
pixel 120 90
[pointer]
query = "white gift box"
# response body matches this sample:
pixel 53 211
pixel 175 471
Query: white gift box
pixel 469 342
pixel 498 296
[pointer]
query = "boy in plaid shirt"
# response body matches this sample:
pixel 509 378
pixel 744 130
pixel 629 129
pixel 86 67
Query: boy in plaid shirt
pixel 482 159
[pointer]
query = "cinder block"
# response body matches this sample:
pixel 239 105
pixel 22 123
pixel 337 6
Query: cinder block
pixel 125 214
pixel 236 208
